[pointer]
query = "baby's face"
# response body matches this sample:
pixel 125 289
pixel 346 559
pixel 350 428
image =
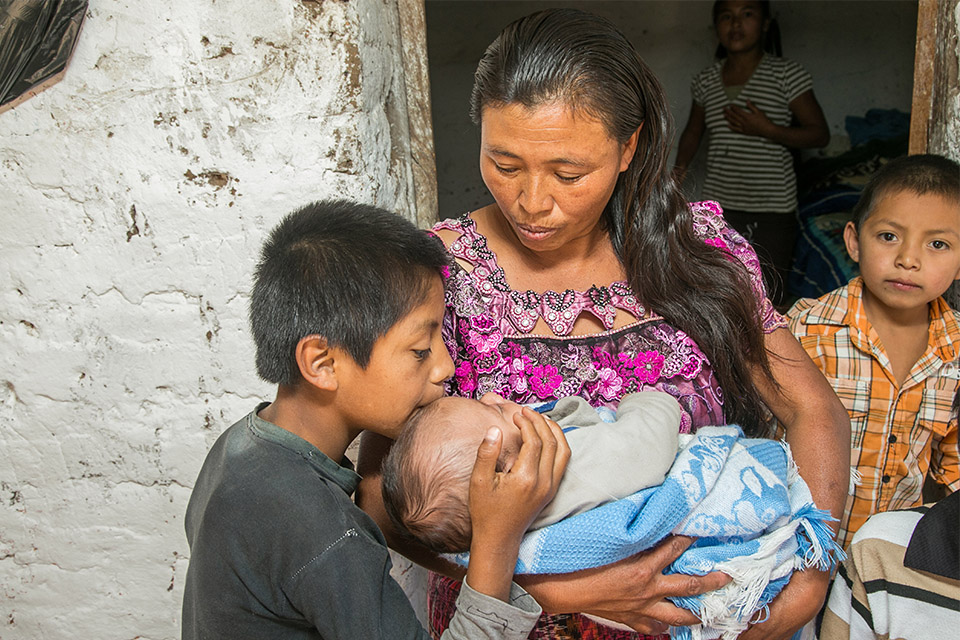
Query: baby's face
pixel 464 422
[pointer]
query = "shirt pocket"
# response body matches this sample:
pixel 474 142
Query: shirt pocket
pixel 936 410
pixel 855 396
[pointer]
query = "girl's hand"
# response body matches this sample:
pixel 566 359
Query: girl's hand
pixel 750 121
pixel 503 504
pixel 632 591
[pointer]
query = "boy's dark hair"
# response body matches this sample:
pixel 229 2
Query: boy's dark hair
pixel 920 174
pixel 425 494
pixel 341 270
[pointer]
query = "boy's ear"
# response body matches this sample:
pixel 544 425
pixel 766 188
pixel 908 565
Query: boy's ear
pixel 852 239
pixel 315 361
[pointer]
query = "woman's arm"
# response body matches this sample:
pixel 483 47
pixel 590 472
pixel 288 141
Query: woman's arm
pixel 632 591
pixel 818 431
pixel 809 132
pixel 689 141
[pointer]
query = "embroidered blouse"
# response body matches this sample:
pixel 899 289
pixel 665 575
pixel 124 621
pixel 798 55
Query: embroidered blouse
pixel 488 331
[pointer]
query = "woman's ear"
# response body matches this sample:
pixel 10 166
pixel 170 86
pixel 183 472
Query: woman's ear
pixel 852 239
pixel 315 360
pixel 629 149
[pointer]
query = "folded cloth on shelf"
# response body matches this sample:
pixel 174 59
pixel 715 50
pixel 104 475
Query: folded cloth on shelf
pixel 744 501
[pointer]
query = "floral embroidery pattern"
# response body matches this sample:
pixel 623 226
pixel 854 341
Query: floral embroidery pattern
pixel 488 330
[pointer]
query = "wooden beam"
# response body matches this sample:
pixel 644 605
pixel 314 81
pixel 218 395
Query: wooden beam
pixel 923 74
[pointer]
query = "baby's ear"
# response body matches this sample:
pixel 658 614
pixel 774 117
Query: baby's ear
pixel 315 361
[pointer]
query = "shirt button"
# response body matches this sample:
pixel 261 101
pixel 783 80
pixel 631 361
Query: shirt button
pixel 892 439
pixel 885 479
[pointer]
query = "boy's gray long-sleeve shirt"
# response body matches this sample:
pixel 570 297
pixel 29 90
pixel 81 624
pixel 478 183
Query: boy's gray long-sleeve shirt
pixel 279 550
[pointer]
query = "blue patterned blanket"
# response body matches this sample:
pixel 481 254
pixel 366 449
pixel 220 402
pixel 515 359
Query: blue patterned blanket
pixel 744 501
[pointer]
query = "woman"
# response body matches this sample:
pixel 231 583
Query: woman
pixel 590 276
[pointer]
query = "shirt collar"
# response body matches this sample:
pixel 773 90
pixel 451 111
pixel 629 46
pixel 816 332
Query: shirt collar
pixel 342 474
pixel 844 306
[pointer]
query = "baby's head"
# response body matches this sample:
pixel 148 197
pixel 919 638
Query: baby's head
pixel 905 232
pixel 426 476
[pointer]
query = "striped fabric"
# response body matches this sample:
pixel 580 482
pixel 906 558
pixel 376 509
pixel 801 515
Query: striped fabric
pixel 749 173
pixel 875 596
pixel 899 433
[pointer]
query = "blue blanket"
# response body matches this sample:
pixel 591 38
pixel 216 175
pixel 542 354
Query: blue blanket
pixel 744 501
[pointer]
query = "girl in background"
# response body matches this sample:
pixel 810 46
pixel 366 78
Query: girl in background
pixel 757 107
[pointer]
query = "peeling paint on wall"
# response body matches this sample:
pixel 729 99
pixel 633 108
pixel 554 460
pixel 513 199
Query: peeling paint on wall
pixel 135 195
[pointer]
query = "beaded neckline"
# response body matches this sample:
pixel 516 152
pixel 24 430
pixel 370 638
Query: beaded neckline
pixel 523 309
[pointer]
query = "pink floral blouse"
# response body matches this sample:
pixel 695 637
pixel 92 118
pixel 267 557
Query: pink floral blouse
pixel 487 330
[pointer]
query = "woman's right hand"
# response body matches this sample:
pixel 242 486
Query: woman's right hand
pixel 632 591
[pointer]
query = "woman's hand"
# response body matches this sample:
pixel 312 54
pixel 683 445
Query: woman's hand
pixel 632 591
pixel 503 504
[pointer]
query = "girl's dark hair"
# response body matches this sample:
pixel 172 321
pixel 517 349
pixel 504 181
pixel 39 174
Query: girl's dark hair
pixel 586 62
pixel 771 40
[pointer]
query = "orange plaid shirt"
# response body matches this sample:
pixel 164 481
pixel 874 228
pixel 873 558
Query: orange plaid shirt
pixel 899 433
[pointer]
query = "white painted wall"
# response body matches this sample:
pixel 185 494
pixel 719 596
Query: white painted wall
pixel 859 52
pixel 134 196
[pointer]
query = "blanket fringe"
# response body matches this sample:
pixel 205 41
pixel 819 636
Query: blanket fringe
pixel 817 545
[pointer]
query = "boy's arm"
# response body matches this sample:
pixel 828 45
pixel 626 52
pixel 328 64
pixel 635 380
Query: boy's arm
pixel 524 490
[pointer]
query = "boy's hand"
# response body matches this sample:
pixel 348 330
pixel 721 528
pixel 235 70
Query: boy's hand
pixel 503 504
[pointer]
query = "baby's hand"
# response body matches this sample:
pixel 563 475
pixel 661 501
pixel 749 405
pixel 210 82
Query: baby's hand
pixel 503 504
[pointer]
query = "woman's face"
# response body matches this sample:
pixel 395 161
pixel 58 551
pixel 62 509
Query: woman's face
pixel 550 170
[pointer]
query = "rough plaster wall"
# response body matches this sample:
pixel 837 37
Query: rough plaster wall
pixel 134 195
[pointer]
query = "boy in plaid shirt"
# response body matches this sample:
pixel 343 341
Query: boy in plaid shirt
pixel 888 342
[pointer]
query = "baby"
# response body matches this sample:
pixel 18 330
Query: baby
pixel 426 476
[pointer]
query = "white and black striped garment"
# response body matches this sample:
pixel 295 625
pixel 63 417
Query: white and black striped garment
pixel 874 596
pixel 750 173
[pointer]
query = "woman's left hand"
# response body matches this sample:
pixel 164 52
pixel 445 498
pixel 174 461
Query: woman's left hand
pixel 795 606
pixel 750 121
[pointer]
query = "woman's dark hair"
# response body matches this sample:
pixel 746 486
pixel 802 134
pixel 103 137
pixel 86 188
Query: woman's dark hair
pixel 771 39
pixel 586 62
